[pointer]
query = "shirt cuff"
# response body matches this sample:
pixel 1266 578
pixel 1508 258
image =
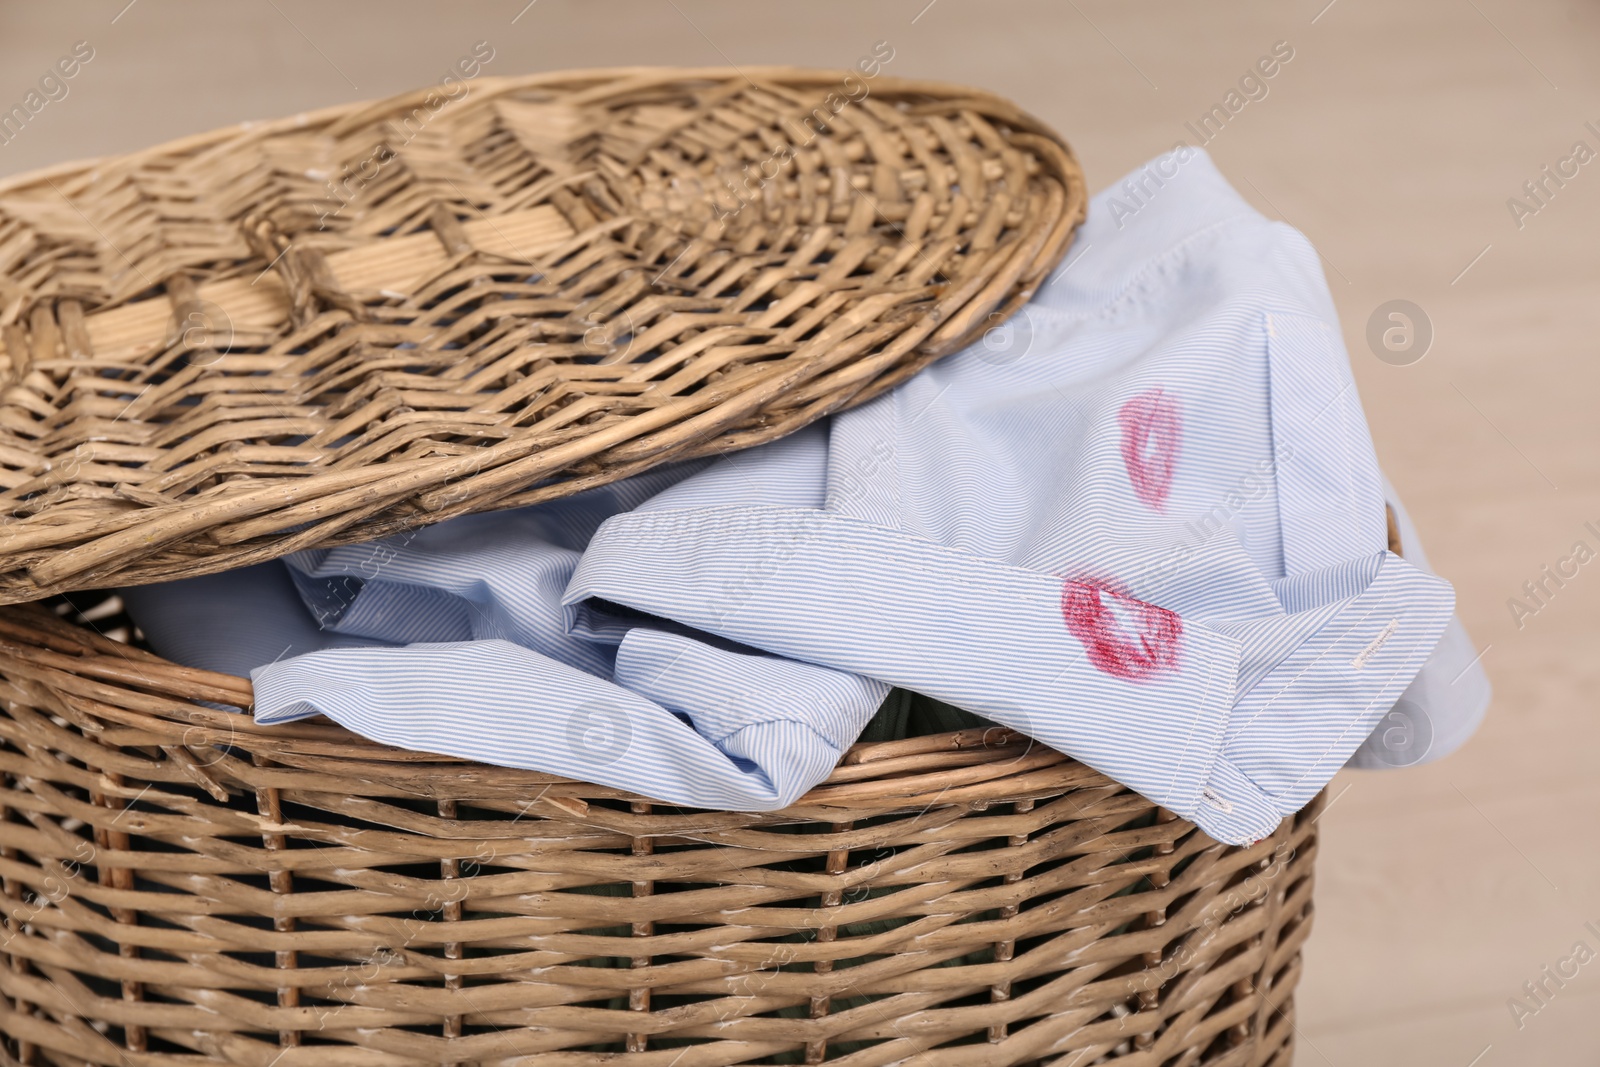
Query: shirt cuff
pixel 1301 722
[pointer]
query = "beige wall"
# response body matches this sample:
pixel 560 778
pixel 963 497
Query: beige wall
pixel 1393 140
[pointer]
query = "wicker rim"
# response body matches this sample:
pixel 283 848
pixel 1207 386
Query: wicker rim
pixel 658 312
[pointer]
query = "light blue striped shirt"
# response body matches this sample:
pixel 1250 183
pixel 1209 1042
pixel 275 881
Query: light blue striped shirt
pixel 1140 521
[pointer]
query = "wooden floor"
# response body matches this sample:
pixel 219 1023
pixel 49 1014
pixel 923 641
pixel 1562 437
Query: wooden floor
pixel 1393 138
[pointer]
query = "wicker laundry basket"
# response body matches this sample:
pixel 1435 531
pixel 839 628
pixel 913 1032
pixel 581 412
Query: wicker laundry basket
pixel 220 350
pixel 182 884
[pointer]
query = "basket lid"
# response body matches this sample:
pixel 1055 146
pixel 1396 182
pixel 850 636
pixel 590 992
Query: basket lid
pixel 341 325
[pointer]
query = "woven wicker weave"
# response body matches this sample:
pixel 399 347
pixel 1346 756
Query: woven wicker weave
pixel 342 325
pixel 180 883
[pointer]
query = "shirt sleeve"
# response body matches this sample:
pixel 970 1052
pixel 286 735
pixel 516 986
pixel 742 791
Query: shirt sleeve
pixel 823 588
pixel 1151 698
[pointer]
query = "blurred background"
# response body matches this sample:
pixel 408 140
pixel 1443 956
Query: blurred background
pixel 1399 138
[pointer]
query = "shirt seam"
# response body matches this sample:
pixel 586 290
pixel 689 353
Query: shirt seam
pixel 1225 714
pixel 1286 476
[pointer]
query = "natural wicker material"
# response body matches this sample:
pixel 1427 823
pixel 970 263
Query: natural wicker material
pixel 345 324
pixel 181 883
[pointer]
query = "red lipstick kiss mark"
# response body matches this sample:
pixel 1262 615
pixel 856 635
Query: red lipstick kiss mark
pixel 1124 637
pixel 1152 434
